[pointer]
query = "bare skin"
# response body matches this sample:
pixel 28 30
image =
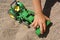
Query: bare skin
pixel 40 18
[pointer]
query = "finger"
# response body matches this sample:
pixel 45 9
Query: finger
pixel 32 23
pixel 35 25
pixel 44 26
pixel 41 28
pixel 47 18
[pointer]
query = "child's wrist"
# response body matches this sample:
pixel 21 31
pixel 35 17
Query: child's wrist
pixel 38 13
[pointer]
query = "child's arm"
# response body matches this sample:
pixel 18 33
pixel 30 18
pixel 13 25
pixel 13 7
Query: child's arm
pixel 39 18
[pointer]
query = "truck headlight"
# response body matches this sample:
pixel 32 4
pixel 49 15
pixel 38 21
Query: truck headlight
pixel 17 8
pixel 11 16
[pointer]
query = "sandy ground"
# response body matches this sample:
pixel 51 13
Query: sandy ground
pixel 12 30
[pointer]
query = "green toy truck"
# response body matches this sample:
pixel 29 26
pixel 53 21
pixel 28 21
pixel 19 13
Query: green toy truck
pixel 20 13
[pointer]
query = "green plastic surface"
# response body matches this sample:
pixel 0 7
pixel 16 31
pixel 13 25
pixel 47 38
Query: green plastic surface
pixel 25 15
pixel 38 32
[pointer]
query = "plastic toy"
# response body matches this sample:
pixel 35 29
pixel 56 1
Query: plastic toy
pixel 20 13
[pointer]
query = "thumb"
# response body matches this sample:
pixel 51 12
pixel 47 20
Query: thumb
pixel 47 18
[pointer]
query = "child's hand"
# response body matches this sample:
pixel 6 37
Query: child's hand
pixel 39 20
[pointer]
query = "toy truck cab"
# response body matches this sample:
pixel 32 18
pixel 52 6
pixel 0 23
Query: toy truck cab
pixel 13 11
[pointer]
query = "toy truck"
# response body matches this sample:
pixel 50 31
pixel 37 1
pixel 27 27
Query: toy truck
pixel 20 13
